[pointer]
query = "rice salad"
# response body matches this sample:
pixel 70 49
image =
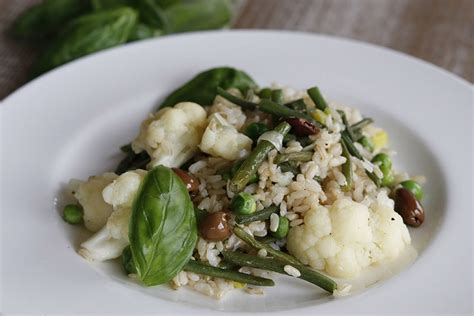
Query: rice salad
pixel 229 183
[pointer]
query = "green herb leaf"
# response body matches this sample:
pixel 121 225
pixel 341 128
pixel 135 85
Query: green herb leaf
pixel 46 18
pixel 88 34
pixel 163 229
pixel 109 4
pixel 202 89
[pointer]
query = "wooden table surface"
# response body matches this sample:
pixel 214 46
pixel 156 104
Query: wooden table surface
pixel 438 31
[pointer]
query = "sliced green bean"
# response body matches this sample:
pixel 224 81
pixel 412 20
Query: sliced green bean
pixel 236 100
pixel 302 156
pixel 269 264
pixel 277 254
pixel 347 168
pixel 205 269
pixel 349 130
pixel 267 239
pixel 361 124
pixel 249 167
pixel 298 105
pixel 289 166
pixel 257 216
pixel 277 96
pixel 317 98
pixel 281 110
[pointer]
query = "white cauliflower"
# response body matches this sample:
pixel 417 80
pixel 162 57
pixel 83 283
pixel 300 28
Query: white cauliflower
pixel 109 242
pixel 232 113
pixel 347 237
pixel 172 135
pixel 221 139
pixel 89 195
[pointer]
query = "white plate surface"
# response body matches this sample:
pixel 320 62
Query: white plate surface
pixel 70 122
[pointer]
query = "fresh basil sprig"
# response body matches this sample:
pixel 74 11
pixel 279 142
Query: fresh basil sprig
pixel 162 229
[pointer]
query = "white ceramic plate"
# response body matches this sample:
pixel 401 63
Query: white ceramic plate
pixel 70 122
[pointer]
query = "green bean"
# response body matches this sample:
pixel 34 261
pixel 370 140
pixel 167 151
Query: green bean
pixel 133 161
pixel 249 167
pixel 349 130
pixel 361 124
pixel 289 166
pixel 347 168
pixel 236 100
pixel 277 254
pixel 73 214
pixel 367 143
pixel 298 105
pixel 288 138
pixel 267 239
pixel 317 98
pixel 302 156
pixel 265 93
pixel 205 269
pixel 236 166
pixel 257 216
pixel 269 264
pixel 255 130
pixel 354 152
pixel 280 110
pixel 277 96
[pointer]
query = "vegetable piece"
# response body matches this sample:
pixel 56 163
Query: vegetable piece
pixel 243 203
pixel 265 93
pixel 199 214
pixel 319 116
pixel 354 152
pixel 347 168
pixel 317 98
pixel 72 214
pixel 289 166
pixel 302 156
pixel 409 208
pixel 215 227
pixel 133 161
pixel 380 140
pixel 281 111
pixel 250 165
pixel 349 130
pixel 163 229
pixel 109 4
pixel 127 261
pixel 255 130
pixel 277 96
pixel 356 127
pixel 385 164
pixel 236 166
pixel 196 15
pixel 302 127
pixel 414 188
pixel 87 34
pixel 283 227
pixel 257 216
pixel 202 89
pixel 367 143
pixel 190 181
pixel 142 31
pixel 236 100
pixel 308 275
pixel 220 139
pixel 205 269
pixel 277 254
pixel 46 18
pixel 172 135
pixel 298 105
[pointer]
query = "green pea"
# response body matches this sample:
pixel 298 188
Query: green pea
pixel 367 143
pixel 255 130
pixel 283 227
pixel 236 166
pixel 72 214
pixel 127 261
pixel 243 203
pixel 414 188
pixel 387 179
pixel 383 160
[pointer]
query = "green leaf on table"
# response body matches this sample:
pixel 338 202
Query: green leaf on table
pixel 87 34
pixel 202 89
pixel 46 18
pixel 163 230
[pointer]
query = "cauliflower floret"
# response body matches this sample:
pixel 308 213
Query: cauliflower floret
pixel 232 113
pixel 89 195
pixel 172 135
pixel 221 139
pixel 109 242
pixel 347 237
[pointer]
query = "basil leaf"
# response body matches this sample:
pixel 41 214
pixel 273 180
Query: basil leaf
pixel 46 18
pixel 196 15
pixel 88 34
pixel 162 229
pixel 202 89
pixel 109 4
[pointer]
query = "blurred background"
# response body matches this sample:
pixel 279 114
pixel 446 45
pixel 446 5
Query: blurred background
pixel 36 36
